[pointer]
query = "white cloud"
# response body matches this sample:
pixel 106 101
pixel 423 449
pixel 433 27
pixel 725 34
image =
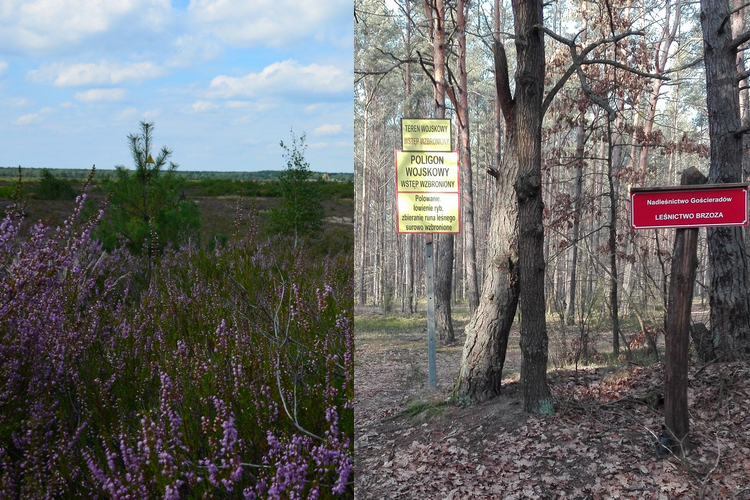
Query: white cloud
pixel 101 95
pixel 203 106
pixel 32 118
pixel 327 129
pixel 40 26
pixel 313 107
pixel 268 22
pixel 150 114
pixel 189 50
pixel 28 119
pixel 18 102
pixel 237 104
pixel 3 67
pixel 132 113
pixel 128 113
pixel 283 77
pixel 316 145
pixel 103 73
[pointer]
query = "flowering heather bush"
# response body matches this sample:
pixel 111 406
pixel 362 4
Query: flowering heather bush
pixel 229 375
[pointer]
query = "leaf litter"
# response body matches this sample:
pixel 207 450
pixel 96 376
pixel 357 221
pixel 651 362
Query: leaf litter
pixel 413 443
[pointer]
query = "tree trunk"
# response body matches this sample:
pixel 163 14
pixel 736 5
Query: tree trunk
pixel 613 283
pixel 364 212
pixel 577 191
pixel 527 127
pixel 444 261
pixel 467 201
pixel 487 333
pixel 409 238
pixel 728 296
pixel 486 338
pixel 662 56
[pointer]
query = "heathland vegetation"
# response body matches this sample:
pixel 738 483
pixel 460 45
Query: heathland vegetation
pixel 215 364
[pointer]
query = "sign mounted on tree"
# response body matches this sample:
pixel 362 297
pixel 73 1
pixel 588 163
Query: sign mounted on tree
pixel 427 191
pixel 426 134
pixel 689 206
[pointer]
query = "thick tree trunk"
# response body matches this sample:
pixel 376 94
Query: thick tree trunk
pixel 728 295
pixel 484 350
pixel 527 126
pixel 487 332
pixel 467 186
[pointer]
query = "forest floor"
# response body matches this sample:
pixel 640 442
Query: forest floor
pixel 412 442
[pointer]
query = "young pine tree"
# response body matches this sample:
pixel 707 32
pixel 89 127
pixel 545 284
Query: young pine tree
pixel 147 211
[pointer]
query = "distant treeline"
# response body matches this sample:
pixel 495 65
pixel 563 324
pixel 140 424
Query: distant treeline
pixel 82 173
pixel 271 188
pixel 65 183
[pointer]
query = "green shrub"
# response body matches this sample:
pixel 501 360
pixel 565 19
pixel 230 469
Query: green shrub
pixel 53 188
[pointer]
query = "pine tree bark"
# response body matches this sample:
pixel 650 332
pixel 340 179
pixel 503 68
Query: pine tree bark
pixel 527 125
pixel 487 332
pixel 488 329
pixel 408 238
pixel 480 371
pixel 728 293
pixel 444 261
pixel 364 215
pixel 467 188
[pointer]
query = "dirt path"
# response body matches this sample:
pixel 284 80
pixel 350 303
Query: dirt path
pixel 411 443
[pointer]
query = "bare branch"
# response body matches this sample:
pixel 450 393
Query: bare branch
pixel 595 98
pixel 689 65
pixel 728 16
pixel 739 40
pixel 743 75
pixel 579 59
pixel 364 73
pixel 742 131
pixel 424 68
pixel 502 82
pixel 609 62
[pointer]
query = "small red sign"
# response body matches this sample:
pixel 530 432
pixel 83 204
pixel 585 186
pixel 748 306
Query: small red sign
pixel 689 206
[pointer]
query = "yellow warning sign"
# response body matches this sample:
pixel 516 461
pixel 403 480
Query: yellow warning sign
pixel 428 213
pixel 427 171
pixel 426 134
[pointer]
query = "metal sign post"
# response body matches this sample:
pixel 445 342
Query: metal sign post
pixel 429 271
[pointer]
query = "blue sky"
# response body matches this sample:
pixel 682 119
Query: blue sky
pixel 222 80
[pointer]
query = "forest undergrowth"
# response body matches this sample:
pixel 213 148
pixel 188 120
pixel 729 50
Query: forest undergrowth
pixel 200 374
pixel 413 443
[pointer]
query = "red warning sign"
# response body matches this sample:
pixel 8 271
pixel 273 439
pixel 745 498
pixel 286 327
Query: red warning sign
pixel 689 206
